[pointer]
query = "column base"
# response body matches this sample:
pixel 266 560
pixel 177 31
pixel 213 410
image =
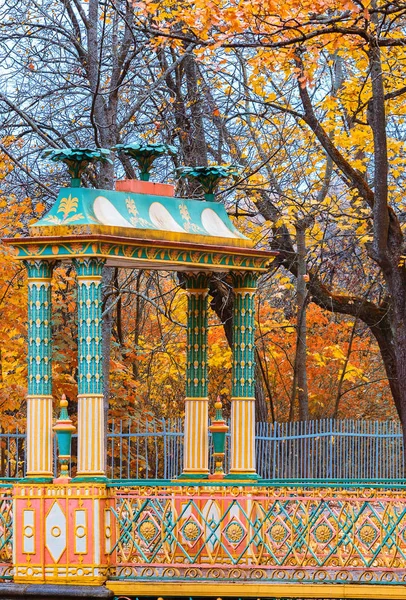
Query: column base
pixel 193 475
pixel 89 479
pixel 60 533
pixel 244 476
pixel 37 479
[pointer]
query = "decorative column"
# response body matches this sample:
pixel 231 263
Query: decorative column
pixel 196 447
pixel 243 377
pixel 39 398
pixel 91 452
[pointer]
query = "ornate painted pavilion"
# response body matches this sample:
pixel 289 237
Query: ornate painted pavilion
pixel 200 535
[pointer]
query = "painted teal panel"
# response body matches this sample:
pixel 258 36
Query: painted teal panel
pixel 83 206
pixel 39 327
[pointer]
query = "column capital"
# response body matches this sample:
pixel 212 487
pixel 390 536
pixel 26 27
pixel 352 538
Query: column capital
pixel 197 281
pixel 39 269
pixel 89 267
pixel 245 281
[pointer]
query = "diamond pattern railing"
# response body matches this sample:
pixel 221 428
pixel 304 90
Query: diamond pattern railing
pixel 268 534
pixel 6 534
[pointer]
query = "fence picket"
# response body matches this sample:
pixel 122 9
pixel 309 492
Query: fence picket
pixel 322 449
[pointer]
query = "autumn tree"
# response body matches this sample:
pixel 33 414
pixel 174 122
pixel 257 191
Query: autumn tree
pixel 287 92
pixel 292 54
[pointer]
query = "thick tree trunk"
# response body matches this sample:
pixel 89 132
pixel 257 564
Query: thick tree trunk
pixel 300 376
pixel 396 283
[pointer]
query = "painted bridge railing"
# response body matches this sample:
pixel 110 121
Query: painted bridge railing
pixel 261 534
pixel 6 533
pixel 325 449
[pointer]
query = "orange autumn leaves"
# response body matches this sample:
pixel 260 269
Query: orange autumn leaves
pixel 157 388
pixel 148 358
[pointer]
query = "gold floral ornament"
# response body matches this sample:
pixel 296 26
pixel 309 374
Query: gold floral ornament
pixel 187 221
pixel 148 530
pixel 323 534
pixel 367 534
pixel 133 211
pixel 234 533
pixel 277 533
pixel 191 531
pixel 66 206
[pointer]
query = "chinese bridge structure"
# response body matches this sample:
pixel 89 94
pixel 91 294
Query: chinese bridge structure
pixel 202 534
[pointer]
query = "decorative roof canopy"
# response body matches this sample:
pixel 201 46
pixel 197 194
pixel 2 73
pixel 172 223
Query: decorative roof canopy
pixel 141 226
pixel 139 216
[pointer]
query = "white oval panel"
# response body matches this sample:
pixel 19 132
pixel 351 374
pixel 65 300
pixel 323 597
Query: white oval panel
pixel 214 225
pixel 107 214
pixel 162 218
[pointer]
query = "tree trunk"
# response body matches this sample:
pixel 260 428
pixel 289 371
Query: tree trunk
pixel 261 407
pixel 300 377
pixel 137 324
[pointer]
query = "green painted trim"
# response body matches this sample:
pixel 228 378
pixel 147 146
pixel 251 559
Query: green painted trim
pixel 234 477
pixel 36 480
pixel 169 253
pixel 190 477
pixel 88 479
pixel 266 483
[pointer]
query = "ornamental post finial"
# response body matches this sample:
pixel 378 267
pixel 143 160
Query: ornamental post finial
pixel 64 430
pixel 218 429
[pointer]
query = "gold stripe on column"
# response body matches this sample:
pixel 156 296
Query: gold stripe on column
pixel 39 436
pixel 91 439
pixel 243 435
pixel 196 435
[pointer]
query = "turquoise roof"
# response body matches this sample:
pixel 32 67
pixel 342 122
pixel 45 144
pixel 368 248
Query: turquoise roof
pixel 86 210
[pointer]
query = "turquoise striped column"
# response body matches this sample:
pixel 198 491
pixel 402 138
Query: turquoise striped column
pixel 196 447
pixel 243 377
pixel 39 397
pixel 91 450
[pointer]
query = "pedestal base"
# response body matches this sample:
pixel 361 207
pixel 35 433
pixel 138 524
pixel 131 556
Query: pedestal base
pixel 62 533
pixel 53 592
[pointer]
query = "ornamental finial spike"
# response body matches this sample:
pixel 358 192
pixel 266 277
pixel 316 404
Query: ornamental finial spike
pixel 219 409
pixel 64 430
